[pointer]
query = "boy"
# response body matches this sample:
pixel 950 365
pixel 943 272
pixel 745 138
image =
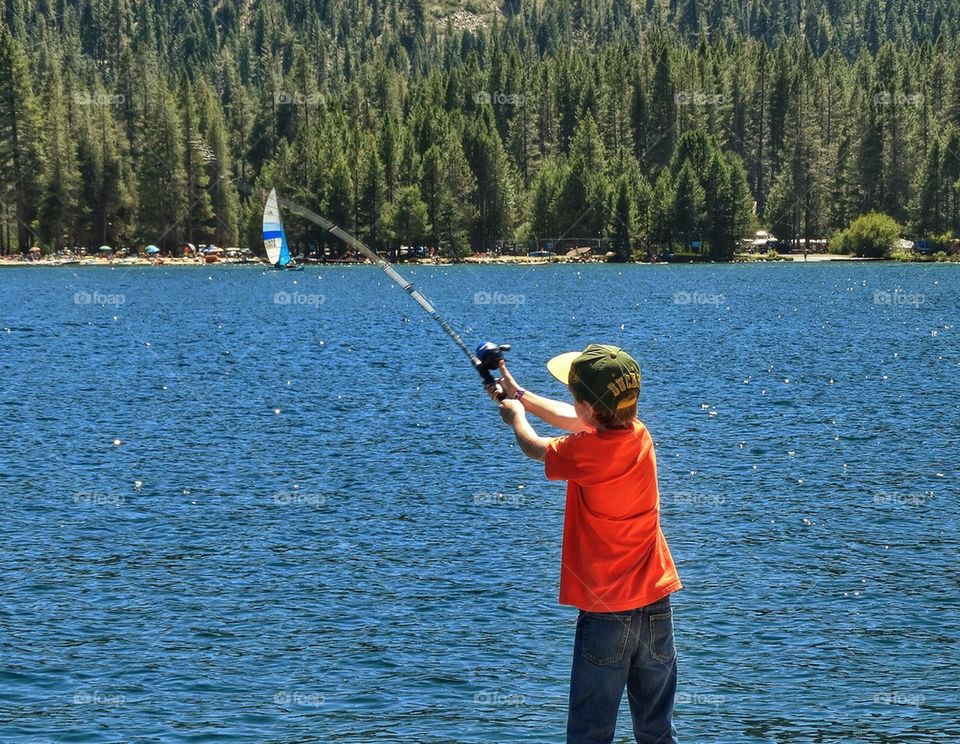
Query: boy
pixel 616 566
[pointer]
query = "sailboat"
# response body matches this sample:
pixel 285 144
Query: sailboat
pixel 274 238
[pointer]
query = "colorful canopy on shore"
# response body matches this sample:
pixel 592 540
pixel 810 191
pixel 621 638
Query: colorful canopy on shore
pixel 152 250
pixel 104 249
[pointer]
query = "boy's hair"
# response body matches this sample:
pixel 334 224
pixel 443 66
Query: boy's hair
pixel 621 418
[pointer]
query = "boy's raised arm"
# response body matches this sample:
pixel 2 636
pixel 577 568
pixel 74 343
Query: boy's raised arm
pixel 533 445
pixel 554 412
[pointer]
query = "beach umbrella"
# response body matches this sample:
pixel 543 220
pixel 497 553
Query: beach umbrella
pixel 152 250
pixel 212 249
pixel 36 249
pixel 104 249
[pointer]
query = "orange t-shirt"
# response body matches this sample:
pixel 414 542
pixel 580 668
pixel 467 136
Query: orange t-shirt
pixel 615 556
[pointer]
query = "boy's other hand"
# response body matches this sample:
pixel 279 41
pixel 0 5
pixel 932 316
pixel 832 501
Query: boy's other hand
pixel 507 382
pixel 494 391
pixel 511 411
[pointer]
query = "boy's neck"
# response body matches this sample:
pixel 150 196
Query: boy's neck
pixel 594 424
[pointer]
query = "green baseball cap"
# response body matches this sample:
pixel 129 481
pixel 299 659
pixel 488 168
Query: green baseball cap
pixel 600 374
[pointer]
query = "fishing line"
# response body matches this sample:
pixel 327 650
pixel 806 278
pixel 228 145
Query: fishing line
pixel 485 359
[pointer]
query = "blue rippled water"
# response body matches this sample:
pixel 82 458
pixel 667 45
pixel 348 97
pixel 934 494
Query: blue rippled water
pixel 274 507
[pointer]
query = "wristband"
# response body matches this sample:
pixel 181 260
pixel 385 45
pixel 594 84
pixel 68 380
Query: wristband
pixel 519 394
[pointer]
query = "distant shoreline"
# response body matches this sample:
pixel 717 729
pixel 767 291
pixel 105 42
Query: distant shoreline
pixel 7 262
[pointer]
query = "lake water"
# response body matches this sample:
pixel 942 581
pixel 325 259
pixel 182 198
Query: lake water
pixel 276 507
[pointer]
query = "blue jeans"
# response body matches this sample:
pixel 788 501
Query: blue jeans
pixel 613 650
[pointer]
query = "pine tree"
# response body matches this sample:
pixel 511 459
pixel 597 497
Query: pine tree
pixel 544 194
pixel 338 198
pixel 758 149
pixel 271 101
pixel 870 160
pixel 892 112
pixel 718 229
pixel 695 148
pixel 583 193
pixel 689 21
pixel 663 106
pixel 488 161
pixel 662 211
pixel 640 120
pixel 951 179
pixel 59 207
pixel 406 219
pixel 431 181
pixel 373 199
pixel 952 102
pixel 740 201
pixel 21 153
pixel 523 144
pixel 778 107
pixel 390 149
pixel 163 188
pixel 108 198
pixel 728 212
pixel 872 26
pixel 224 201
pixel 795 208
pixel 687 211
pixel 929 208
pixel 623 223
pixel 198 155
pixel 643 205
pixel 455 209
pixel 842 190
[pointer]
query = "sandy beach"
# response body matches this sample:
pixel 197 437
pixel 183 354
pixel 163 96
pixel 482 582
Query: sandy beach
pixel 16 261
pixel 99 261
pixel 11 261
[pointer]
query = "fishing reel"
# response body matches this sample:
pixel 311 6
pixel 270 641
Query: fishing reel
pixel 488 357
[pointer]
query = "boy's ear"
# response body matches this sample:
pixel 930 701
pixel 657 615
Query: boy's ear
pixel 585 405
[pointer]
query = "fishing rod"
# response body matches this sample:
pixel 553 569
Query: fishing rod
pixel 487 356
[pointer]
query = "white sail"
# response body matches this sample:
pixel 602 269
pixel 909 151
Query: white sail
pixel 272 228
